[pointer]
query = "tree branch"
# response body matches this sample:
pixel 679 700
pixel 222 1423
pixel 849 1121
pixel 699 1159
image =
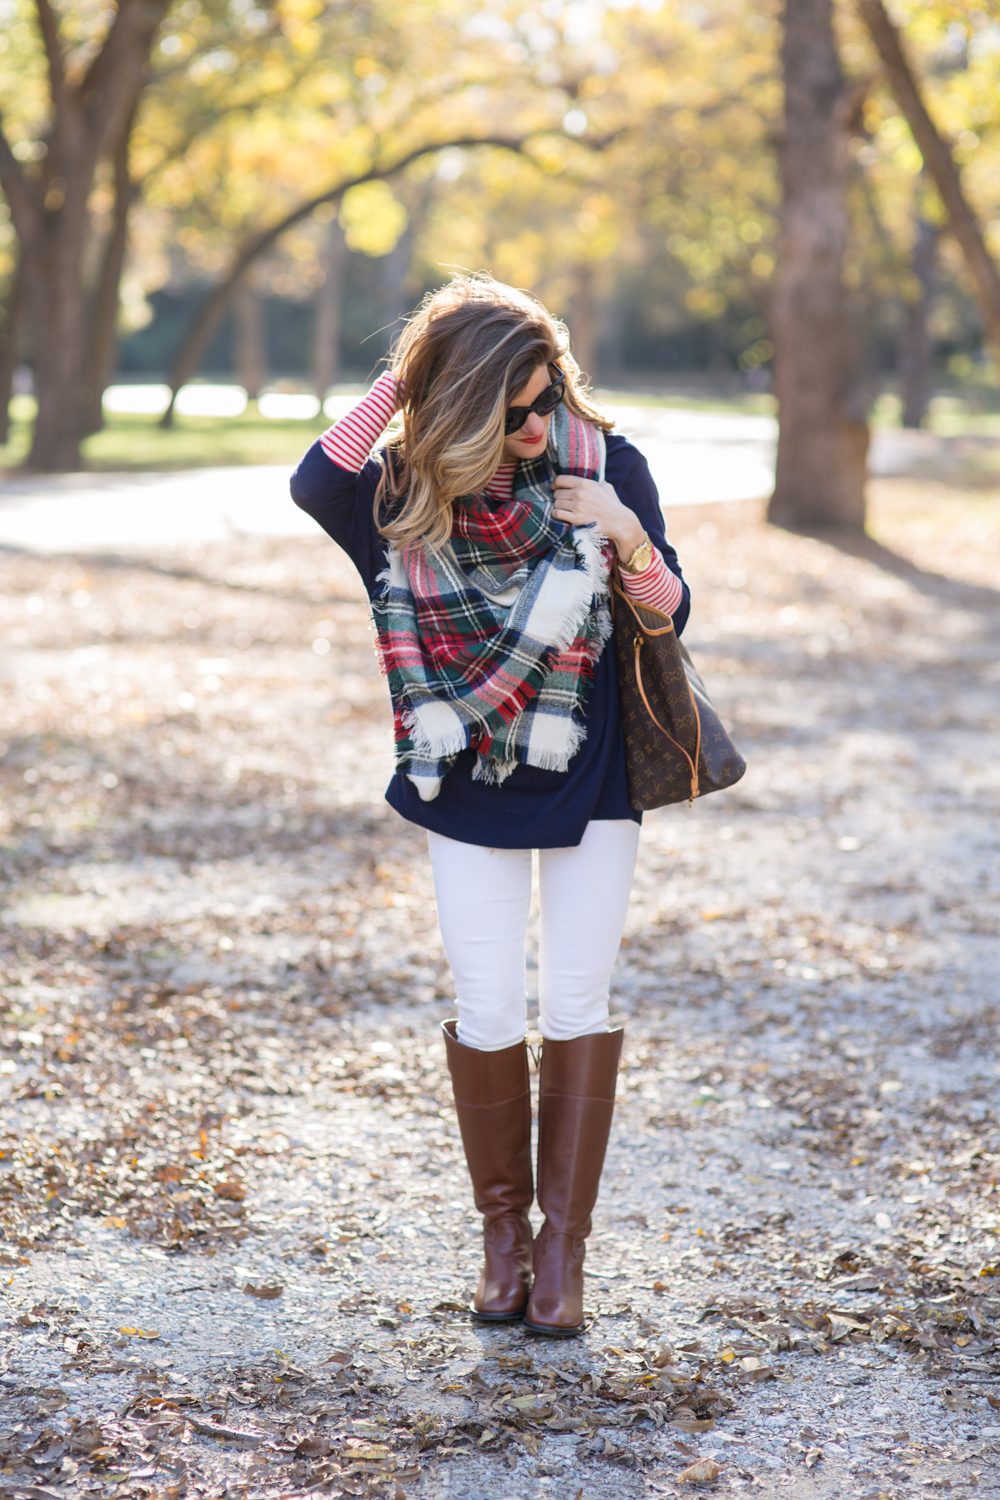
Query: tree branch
pixel 213 309
pixel 19 197
pixel 939 162
pixel 103 319
pixel 112 83
pixel 48 25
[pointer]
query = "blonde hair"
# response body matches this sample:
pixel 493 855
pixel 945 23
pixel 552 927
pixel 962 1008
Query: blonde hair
pixel 462 357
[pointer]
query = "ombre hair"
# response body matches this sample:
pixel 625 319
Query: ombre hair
pixel 464 355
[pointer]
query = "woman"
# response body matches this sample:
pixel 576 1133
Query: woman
pixel 483 535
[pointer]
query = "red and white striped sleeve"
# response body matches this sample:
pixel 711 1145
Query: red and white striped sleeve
pixel 655 586
pixel 349 442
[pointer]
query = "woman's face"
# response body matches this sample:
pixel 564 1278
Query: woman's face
pixel 528 441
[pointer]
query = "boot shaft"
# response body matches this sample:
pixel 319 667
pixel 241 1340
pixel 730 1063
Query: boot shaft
pixel 485 1078
pixel 493 1104
pixel 575 1110
pixel 586 1067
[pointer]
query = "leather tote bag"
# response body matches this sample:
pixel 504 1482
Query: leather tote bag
pixel 675 746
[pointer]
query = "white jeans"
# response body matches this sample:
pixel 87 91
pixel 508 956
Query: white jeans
pixel 483 896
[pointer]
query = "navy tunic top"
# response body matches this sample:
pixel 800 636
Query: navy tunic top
pixel 532 809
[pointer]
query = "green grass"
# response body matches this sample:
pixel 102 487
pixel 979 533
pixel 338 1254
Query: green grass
pixel 684 397
pixel 130 442
pixel 193 442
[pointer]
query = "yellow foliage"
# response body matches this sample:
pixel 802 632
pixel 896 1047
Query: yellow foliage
pixel 671 186
pixel 373 218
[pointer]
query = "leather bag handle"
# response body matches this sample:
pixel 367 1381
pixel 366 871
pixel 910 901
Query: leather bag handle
pixel 665 629
pixel 697 719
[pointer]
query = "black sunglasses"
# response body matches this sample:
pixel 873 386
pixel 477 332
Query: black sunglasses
pixel 541 406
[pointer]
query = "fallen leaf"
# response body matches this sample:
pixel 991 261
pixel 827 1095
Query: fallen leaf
pixel 841 1328
pixel 234 1191
pixel 140 1333
pixel 36 1492
pixel 267 1293
pixel 213 1429
pixel 313 1447
pixel 366 1452
pixel 702 1472
pixel 863 1283
pixel 520 1362
pixel 813 1457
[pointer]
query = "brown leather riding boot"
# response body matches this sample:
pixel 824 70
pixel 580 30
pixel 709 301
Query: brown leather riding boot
pixel 575 1104
pixel 493 1104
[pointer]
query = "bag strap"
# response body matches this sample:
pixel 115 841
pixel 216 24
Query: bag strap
pixel 697 719
pixel 650 630
pixel 664 630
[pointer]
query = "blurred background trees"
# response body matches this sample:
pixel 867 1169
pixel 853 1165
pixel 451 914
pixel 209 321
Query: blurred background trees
pixel 635 182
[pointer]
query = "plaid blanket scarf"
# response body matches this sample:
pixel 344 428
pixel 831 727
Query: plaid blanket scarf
pixel 490 641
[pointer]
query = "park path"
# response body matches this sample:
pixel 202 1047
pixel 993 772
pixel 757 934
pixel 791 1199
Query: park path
pixel 237 1233
pixel 697 457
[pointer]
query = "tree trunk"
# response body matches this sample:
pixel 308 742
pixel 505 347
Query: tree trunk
pixel 939 162
pixel 823 438
pixel 394 275
pixel 326 329
pixel 10 347
pixel 916 346
pixel 87 117
pixel 250 342
pixel 53 275
pixel 611 353
pixel 102 351
pixel 583 319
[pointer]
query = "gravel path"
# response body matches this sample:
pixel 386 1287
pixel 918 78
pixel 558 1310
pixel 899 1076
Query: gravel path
pixel 237 1235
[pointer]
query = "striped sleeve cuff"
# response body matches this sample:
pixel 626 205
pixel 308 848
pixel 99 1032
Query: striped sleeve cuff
pixel 348 442
pixel 657 586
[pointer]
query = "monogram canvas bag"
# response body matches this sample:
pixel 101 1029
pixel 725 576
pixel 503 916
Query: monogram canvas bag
pixel 675 746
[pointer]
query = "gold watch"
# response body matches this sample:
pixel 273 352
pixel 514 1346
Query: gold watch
pixel 641 557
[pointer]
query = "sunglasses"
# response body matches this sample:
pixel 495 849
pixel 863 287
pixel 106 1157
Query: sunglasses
pixel 541 406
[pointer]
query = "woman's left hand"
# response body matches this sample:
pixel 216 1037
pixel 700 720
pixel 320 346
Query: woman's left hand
pixel 593 502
